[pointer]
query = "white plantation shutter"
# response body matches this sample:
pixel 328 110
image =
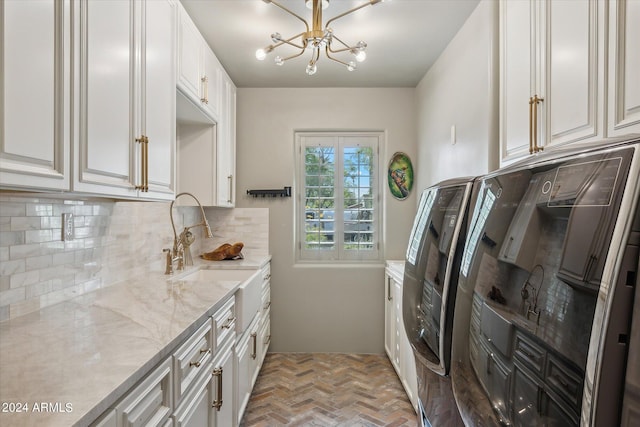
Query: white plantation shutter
pixel 338 202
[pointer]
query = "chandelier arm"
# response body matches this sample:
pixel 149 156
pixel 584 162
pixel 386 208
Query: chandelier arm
pixel 291 13
pixel 369 3
pixel 346 46
pixel 335 59
pixel 293 56
pixel 288 41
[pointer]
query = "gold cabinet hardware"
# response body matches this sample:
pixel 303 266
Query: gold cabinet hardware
pixel 230 179
pixel 229 322
pixel 205 89
pixel 144 163
pixel 254 337
pixel 389 298
pixel 217 403
pixel 204 353
pixel 533 124
pixel 267 305
pixel 267 340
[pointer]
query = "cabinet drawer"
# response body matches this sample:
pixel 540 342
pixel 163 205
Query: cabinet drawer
pixel 224 322
pixel 266 275
pixel 564 381
pixel 529 353
pixel 191 358
pixel 150 403
pixel 266 299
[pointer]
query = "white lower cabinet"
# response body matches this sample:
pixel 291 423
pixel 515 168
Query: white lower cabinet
pixel 396 341
pixel 208 379
pixel 224 376
pixel 246 355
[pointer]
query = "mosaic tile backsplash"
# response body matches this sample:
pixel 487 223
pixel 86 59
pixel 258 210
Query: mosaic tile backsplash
pixel 113 240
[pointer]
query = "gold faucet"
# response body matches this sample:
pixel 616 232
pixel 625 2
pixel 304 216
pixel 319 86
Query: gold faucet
pixel 180 251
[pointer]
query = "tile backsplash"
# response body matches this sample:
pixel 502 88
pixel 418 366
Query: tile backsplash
pixel 113 240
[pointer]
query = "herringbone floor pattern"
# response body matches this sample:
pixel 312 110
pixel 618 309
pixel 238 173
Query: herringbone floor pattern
pixel 318 389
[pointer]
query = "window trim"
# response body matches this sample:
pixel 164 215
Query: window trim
pixel 340 140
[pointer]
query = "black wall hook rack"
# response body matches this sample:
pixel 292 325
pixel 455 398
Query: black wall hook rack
pixel 285 192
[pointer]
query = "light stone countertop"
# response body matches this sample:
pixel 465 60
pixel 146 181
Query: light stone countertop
pixel 396 269
pixel 85 353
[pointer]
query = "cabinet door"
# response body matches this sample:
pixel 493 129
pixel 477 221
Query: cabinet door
pixel 574 68
pixel 243 364
pixel 106 130
pixel 526 398
pixel 624 68
pixel 210 70
pixel 398 326
pixel 35 90
pixel 226 147
pixel 517 76
pixel 190 47
pixel 196 409
pixel 224 387
pixel 159 118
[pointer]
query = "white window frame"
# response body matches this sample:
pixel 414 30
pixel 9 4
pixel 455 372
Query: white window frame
pixel 340 140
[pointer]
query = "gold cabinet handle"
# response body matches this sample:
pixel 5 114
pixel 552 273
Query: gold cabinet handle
pixel 531 107
pixel 230 179
pixel 217 403
pixel 254 337
pixel 267 305
pixel 229 322
pixel 534 148
pixel 204 353
pixel 389 298
pixel 144 163
pixel 205 89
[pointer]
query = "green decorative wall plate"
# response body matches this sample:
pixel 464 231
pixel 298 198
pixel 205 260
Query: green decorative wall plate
pixel 400 176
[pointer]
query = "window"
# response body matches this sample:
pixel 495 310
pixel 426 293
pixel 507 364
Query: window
pixel 338 214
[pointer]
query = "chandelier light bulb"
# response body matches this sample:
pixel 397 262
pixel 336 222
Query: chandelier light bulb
pixel 261 54
pixel 360 55
pixel 276 37
pixel 351 66
pixel 311 68
pixel 279 61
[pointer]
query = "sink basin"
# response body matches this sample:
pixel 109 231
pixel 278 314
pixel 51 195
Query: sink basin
pixel 248 295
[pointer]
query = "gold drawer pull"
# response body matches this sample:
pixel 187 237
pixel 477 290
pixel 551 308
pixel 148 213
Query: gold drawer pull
pixel 254 337
pixel 204 353
pixel 229 322
pixel 267 305
pixel 217 372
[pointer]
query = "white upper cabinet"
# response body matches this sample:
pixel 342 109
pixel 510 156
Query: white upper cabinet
pixel 551 74
pixel 198 68
pixel 624 68
pixel 126 99
pixel 206 120
pixel 35 87
pixel 226 147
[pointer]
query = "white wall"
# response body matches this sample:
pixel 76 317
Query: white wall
pixel 461 89
pixel 322 308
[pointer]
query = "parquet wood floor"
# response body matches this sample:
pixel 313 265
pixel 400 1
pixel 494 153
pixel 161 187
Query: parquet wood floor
pixel 328 389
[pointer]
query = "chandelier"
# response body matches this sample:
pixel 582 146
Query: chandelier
pixel 317 38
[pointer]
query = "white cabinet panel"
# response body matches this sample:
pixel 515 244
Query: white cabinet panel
pixel 226 147
pixel 516 77
pixel 224 387
pixel 574 76
pixel 160 96
pixel 126 136
pixel 35 89
pixel 624 68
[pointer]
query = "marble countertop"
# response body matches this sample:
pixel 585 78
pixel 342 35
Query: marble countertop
pixel 78 357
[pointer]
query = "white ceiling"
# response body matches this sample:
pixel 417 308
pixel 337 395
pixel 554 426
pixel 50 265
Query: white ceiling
pixel 404 38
